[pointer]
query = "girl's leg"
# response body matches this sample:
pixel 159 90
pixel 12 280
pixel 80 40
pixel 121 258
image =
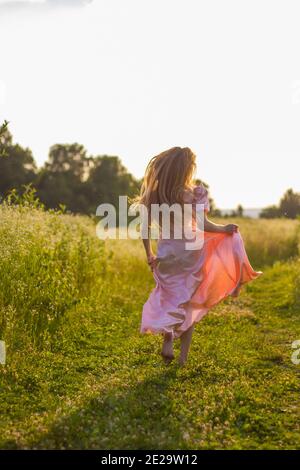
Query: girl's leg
pixel 167 347
pixel 185 340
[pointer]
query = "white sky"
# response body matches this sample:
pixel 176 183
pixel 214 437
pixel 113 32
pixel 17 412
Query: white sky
pixel 135 77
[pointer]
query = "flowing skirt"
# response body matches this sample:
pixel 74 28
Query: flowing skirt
pixel 190 282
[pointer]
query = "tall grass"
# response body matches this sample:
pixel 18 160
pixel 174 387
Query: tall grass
pixel 48 263
pixel 268 240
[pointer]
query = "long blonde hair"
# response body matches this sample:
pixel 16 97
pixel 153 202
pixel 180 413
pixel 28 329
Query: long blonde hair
pixel 167 176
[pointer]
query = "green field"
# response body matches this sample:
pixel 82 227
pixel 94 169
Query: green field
pixel 79 374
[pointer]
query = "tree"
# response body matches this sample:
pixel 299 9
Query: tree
pixel 68 159
pixel 240 211
pixel 270 212
pixel 17 165
pixel 80 182
pixel 290 204
pixel 109 179
pixel 4 136
pixel 61 180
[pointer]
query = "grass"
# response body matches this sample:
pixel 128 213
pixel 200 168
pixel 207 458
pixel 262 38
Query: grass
pixel 268 240
pixel 86 377
pixel 48 263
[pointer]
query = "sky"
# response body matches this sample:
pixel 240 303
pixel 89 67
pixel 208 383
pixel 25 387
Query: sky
pixel 135 77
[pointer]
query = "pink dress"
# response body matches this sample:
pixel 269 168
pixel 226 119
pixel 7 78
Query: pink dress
pixel 190 282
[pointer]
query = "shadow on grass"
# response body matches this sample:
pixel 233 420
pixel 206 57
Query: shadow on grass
pixel 139 415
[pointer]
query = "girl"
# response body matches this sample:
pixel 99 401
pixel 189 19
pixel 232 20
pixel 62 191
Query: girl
pixel 188 282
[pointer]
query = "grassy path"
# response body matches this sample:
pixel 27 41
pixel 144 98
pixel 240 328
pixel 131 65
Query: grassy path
pixel 103 385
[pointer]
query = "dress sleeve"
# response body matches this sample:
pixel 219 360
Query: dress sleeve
pixel 201 196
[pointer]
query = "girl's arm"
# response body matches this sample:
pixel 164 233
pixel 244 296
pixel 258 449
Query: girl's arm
pixel 147 246
pixel 151 258
pixel 210 226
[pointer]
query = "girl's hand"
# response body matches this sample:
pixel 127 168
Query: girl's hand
pixel 231 228
pixel 152 261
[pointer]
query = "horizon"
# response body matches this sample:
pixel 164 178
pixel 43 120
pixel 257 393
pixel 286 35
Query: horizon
pixel 224 210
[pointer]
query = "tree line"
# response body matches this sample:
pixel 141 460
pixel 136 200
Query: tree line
pixel 70 177
pixel 289 206
pixel 80 182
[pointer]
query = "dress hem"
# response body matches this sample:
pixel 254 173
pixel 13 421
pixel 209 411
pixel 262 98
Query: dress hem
pixel 156 331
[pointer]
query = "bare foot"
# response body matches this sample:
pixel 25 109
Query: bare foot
pixel 186 339
pixel 167 348
pixel 236 292
pixel 182 361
